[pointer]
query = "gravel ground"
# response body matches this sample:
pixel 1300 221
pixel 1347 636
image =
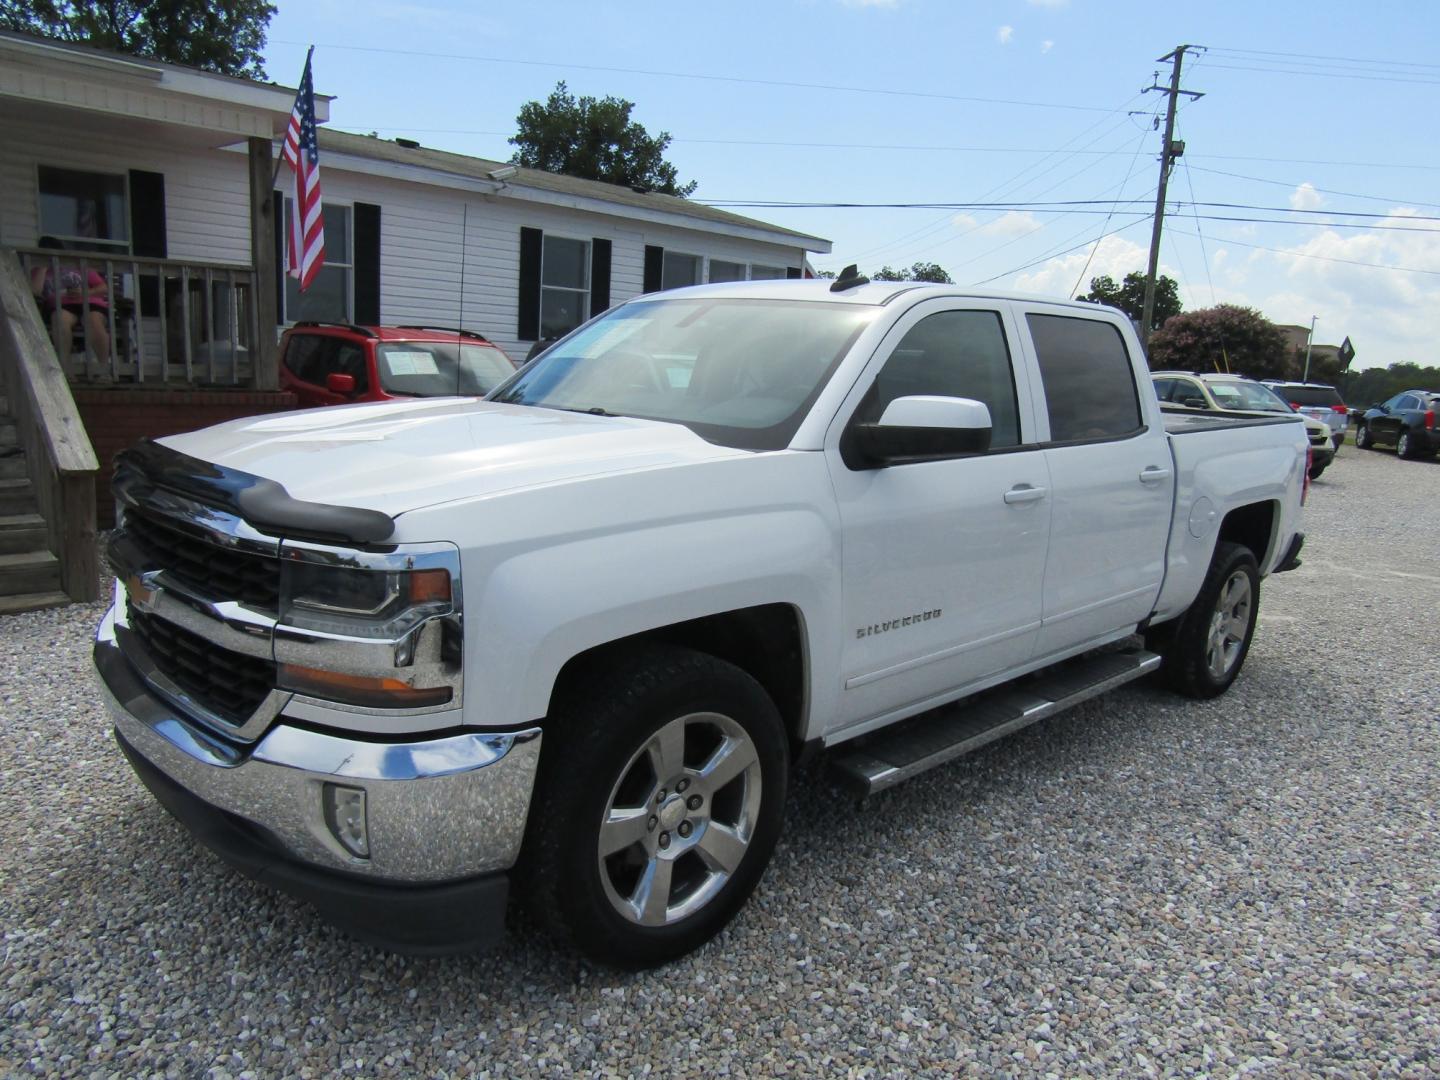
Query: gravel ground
pixel 1145 886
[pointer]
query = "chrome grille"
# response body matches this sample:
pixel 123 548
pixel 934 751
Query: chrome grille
pixel 227 683
pixel 208 569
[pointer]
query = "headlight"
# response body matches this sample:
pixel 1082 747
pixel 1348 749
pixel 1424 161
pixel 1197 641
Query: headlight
pixel 357 602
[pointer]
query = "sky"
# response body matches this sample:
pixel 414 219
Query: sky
pixel 1319 119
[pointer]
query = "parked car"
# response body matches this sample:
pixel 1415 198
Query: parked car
pixel 1235 393
pixel 1406 422
pixel 1320 400
pixel 333 363
pixel 577 632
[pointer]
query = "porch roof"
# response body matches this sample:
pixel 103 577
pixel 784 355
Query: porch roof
pixel 56 73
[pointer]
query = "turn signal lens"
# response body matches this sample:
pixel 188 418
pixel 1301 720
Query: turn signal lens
pixel 362 690
pixel 429 586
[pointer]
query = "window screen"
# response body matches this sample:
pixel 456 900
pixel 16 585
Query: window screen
pixel 953 354
pixel 1089 385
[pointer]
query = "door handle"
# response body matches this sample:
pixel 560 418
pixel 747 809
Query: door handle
pixel 1024 493
pixel 1153 474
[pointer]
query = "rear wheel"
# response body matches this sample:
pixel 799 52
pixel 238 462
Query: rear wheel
pixel 1202 651
pixel 662 784
pixel 1405 445
pixel 1363 439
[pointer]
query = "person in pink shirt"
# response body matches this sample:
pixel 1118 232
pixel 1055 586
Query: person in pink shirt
pixel 71 300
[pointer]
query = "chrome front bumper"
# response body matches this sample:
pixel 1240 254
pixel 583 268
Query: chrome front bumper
pixel 437 810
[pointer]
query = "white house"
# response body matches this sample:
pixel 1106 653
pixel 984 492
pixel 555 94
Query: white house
pixel 162 177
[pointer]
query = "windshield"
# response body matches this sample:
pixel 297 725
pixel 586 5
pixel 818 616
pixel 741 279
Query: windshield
pixel 736 371
pixel 1248 396
pixel 440 368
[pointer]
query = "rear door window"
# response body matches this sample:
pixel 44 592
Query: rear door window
pixel 1089 384
pixel 302 357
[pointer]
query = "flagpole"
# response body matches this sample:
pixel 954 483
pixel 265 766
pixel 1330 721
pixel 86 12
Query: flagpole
pixel 280 158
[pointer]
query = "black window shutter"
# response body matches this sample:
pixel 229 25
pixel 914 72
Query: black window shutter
pixel 792 271
pixel 367 264
pixel 654 267
pixel 599 275
pixel 531 245
pixel 147 214
pixel 278 215
pixel 147 230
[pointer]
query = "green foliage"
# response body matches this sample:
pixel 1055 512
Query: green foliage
pixel 224 36
pixel 1224 338
pixel 920 271
pixel 594 139
pixel 1129 296
pixel 1362 388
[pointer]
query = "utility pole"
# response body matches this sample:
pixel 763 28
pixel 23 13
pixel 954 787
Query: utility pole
pixel 1308 342
pixel 1169 151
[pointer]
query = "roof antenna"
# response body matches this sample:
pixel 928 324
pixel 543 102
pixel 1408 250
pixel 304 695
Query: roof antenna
pixel 850 278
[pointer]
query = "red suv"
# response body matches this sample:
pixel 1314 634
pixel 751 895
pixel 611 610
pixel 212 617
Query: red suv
pixel 325 363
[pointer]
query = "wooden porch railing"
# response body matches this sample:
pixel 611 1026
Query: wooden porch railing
pixel 59 459
pixel 169 322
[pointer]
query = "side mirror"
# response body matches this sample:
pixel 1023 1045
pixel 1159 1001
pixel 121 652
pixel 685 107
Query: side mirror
pixel 340 384
pixel 925 428
pixel 1194 403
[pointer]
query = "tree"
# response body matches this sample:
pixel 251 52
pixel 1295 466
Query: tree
pixel 596 140
pixel 1223 338
pixel 225 36
pixel 1129 296
pixel 1361 388
pixel 920 271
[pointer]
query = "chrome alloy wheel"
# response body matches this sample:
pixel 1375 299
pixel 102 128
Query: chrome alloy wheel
pixel 1229 625
pixel 679 819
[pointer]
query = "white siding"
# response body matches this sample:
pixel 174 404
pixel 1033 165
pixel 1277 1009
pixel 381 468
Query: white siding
pixel 207 201
pixel 421 230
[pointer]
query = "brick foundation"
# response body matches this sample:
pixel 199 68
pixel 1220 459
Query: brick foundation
pixel 116 418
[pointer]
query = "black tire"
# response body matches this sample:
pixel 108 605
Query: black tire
pixel 1405 445
pixel 1316 470
pixel 596 765
pixel 1186 645
pixel 1363 439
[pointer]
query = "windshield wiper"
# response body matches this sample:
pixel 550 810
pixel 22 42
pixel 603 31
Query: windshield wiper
pixel 593 410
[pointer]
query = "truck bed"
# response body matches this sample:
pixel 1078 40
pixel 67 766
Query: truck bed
pixel 1179 421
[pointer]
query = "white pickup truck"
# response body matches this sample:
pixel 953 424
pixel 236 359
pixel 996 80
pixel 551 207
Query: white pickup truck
pixel 389 657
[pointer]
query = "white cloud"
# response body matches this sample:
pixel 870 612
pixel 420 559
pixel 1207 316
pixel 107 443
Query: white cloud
pixel 1390 315
pixel 1010 223
pixel 1305 197
pixel 1115 256
pixel 1004 34
pixel 1046 45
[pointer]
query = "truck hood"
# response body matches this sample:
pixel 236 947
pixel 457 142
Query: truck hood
pixel 399 456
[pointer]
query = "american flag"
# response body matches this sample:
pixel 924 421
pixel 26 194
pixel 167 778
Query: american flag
pixel 306 247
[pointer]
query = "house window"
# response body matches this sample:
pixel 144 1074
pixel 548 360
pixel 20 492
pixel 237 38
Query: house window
pixel 720 270
pixel 329 298
pixel 679 270
pixel 564 285
pixel 766 273
pixel 86 210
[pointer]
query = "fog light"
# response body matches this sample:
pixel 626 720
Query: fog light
pixel 345 816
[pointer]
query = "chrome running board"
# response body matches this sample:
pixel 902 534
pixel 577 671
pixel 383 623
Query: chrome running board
pixel 889 756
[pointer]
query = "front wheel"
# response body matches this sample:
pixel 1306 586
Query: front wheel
pixel 1316 470
pixel 1363 439
pixel 658 805
pixel 1202 652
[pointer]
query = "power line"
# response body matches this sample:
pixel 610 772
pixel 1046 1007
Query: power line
pixel 1091 258
pixel 1324 191
pixel 1319 56
pixel 697 76
pixel 1323 74
pixel 1326 258
pixel 1057 254
pixel 1204 255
